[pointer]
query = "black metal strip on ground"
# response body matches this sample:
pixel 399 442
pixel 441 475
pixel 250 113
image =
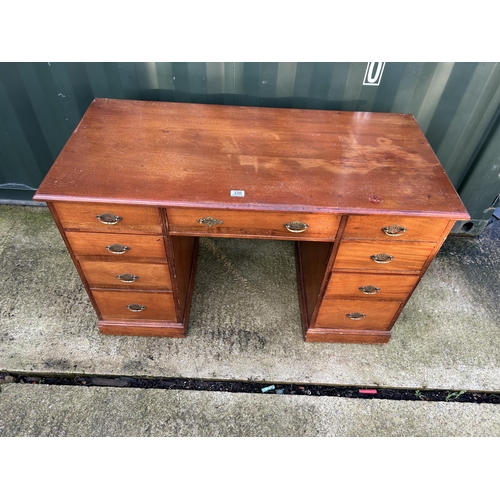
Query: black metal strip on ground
pixel 253 387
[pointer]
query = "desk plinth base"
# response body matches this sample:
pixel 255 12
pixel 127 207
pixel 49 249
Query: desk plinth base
pixel 143 329
pixel 347 336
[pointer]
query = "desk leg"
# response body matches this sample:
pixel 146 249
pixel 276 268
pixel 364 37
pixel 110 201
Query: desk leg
pixel 183 269
pixel 312 270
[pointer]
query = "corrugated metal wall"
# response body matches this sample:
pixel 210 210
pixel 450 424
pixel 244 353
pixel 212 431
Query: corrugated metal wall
pixel 455 104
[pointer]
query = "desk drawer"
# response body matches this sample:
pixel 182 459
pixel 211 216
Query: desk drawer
pixel 129 245
pixel 395 228
pixel 127 275
pixel 356 314
pixel 242 223
pixel 128 305
pixel 371 286
pixel 112 217
pixel 388 256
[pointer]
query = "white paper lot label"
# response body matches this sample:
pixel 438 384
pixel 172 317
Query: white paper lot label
pixel 237 192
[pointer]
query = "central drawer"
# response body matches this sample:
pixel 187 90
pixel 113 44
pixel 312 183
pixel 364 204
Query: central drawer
pixel 131 305
pixel 241 223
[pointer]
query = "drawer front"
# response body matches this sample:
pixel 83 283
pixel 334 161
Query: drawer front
pixel 127 275
pixel 356 314
pixel 112 218
pixel 138 246
pixel 248 223
pixel 117 305
pixel 395 228
pixel 406 256
pixel 371 286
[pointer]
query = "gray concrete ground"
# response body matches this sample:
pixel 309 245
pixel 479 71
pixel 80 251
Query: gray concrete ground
pixel 244 325
pixel 30 410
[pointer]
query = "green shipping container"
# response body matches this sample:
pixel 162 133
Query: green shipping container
pixel 457 105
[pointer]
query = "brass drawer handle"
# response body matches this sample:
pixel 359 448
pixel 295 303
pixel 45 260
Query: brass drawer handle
pixel 117 249
pixel 296 226
pixel 127 278
pixel 382 258
pixel 394 230
pixel 108 218
pixel 356 316
pixel 210 221
pixel 369 289
pixel 136 308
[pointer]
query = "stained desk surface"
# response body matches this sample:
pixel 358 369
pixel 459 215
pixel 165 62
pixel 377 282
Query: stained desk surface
pixel 193 155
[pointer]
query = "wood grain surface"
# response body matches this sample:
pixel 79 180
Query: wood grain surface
pixel 182 154
pixel 416 228
pixel 102 273
pixel 83 217
pixel 113 305
pixel 379 314
pixel 407 256
pixel 242 223
pixel 391 287
pixel 347 336
pixel 142 328
pixel 140 246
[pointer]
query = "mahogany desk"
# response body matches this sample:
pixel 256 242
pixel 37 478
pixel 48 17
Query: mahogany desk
pixel 362 194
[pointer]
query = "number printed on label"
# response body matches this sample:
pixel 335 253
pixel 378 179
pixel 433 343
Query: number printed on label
pixel 237 192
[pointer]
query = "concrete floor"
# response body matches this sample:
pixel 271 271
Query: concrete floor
pixel 245 325
pixel 38 410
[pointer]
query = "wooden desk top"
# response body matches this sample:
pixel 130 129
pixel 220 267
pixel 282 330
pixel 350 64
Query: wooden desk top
pixel 192 155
